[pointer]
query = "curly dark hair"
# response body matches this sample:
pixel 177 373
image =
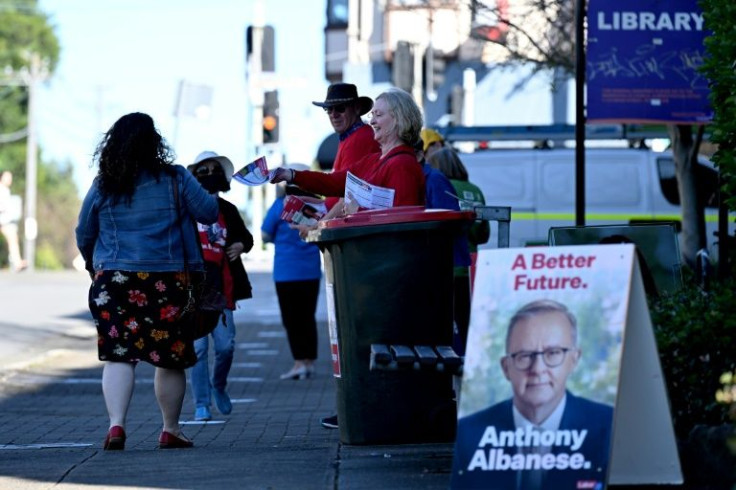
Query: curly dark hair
pixel 131 145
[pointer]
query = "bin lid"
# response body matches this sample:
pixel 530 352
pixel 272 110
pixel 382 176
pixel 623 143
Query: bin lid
pixel 398 214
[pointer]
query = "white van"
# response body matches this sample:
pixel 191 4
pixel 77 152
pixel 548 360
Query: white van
pixel 623 186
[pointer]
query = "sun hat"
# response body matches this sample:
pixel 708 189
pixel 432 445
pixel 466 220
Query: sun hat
pixel 430 136
pixel 225 163
pixel 343 93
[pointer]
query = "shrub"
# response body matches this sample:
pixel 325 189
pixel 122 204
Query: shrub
pixel 696 338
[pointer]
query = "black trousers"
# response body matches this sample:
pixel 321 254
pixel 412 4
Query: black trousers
pixel 298 304
pixel 461 313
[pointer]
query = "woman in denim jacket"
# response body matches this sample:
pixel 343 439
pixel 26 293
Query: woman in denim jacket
pixel 133 243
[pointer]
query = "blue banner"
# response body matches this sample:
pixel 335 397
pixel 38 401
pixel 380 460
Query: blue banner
pixel 642 62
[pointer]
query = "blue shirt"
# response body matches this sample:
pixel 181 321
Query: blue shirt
pixel 294 259
pixel 145 234
pixel 439 195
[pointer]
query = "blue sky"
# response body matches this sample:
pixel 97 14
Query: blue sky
pixel 121 56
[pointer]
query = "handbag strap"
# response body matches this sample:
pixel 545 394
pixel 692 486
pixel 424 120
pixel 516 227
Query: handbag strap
pixel 181 231
pixel 187 278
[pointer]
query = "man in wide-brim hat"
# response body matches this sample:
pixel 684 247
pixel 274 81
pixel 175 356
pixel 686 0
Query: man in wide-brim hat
pixel 345 94
pixel 344 107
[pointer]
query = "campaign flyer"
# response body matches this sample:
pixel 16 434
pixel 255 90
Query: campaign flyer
pixel 300 212
pixel 255 173
pixel 361 194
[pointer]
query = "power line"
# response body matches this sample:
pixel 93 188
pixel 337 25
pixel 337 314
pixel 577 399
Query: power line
pixel 15 136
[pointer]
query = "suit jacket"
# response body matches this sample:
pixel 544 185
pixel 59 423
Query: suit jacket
pixel 579 414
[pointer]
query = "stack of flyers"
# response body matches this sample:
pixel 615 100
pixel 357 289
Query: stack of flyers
pixel 255 173
pixel 301 213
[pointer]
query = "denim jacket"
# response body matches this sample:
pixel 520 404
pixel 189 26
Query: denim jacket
pixel 145 235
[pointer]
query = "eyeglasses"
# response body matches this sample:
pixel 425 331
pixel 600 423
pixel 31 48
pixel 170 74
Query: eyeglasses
pixel 338 109
pixel 552 357
pixel 204 171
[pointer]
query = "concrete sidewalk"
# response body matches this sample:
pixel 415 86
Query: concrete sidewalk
pixel 53 419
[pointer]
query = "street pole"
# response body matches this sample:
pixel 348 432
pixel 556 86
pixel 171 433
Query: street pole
pixel 177 114
pixel 30 226
pixel 579 113
pixel 255 92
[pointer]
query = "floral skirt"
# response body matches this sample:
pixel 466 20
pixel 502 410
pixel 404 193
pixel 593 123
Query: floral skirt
pixel 136 317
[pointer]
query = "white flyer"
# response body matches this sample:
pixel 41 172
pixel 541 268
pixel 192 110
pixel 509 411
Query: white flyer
pixel 359 193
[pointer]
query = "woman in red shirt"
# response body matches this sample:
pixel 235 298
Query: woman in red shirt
pixel 396 121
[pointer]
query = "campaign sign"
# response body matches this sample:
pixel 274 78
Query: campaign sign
pixel 543 379
pixel 643 58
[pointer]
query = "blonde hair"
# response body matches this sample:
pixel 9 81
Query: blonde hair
pixel 406 113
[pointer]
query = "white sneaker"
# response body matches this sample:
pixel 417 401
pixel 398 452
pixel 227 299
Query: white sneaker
pixel 301 372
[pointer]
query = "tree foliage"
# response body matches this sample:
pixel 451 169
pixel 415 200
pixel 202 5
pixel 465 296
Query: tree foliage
pixel 538 32
pixel 24 32
pixel 720 69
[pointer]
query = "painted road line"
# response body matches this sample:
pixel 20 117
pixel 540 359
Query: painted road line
pixel 252 345
pixel 253 365
pixel 42 445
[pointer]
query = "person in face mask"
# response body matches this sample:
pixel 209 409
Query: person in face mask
pixel 222 244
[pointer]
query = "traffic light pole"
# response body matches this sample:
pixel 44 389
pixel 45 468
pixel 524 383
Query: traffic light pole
pixel 255 92
pixel 255 87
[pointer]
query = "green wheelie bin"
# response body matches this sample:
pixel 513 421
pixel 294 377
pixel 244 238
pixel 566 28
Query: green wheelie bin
pixel 389 277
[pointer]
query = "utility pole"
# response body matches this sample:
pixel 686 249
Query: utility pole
pixel 30 225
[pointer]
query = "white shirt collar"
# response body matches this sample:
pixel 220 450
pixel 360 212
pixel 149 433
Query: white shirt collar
pixel 552 422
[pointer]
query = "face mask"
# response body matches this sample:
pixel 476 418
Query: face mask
pixel 212 183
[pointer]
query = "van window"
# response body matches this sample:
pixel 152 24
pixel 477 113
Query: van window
pixel 707 179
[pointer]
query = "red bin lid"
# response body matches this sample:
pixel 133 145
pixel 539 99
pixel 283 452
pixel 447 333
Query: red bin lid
pixel 398 214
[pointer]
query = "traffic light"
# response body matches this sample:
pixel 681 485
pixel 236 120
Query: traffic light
pixel 271 117
pixel 434 72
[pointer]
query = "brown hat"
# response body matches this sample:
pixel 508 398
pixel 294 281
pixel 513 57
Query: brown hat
pixel 344 93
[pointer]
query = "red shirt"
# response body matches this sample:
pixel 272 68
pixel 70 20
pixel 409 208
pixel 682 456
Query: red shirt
pixel 350 150
pixel 213 240
pixel 398 170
